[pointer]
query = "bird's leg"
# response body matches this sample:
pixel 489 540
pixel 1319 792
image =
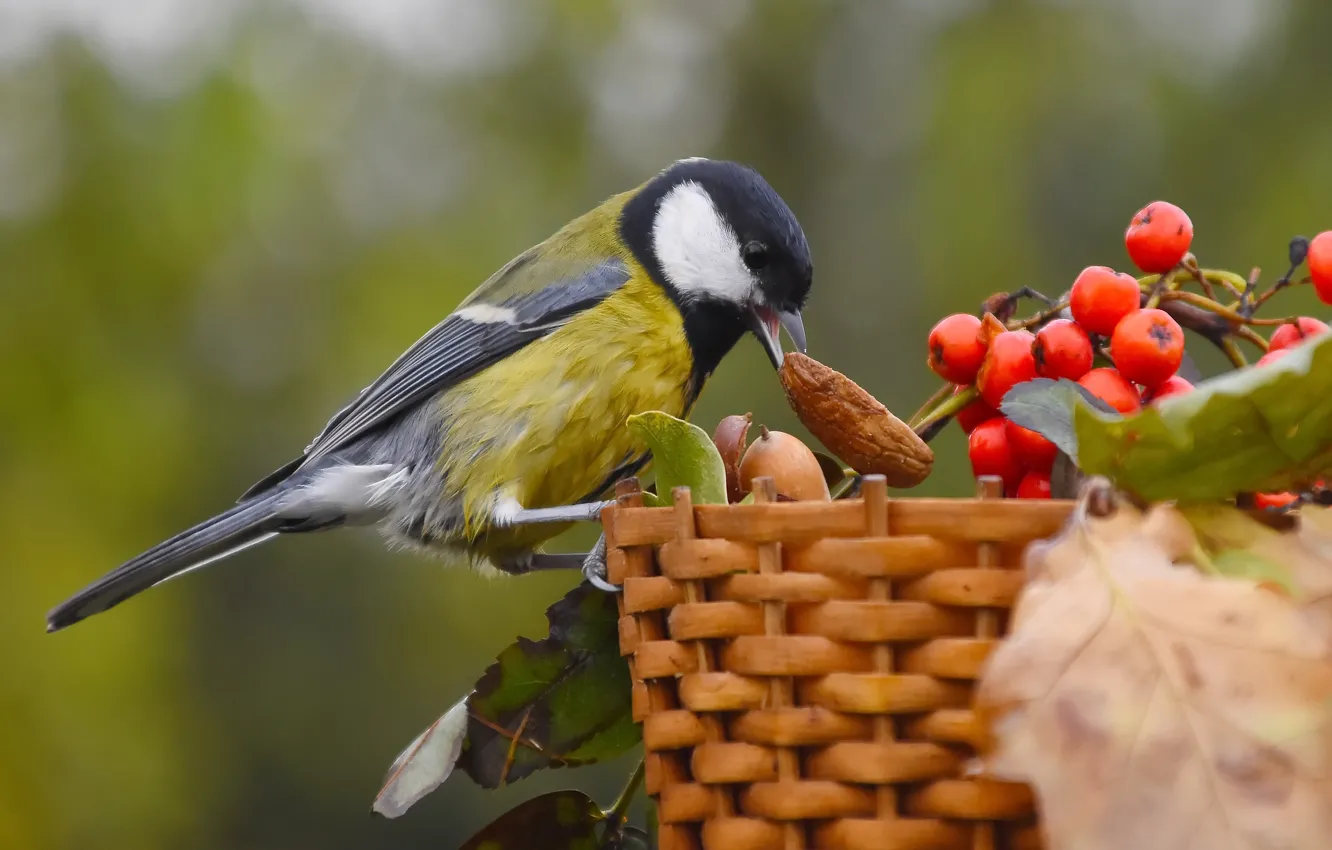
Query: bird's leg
pixel 585 512
pixel 593 564
pixel 541 562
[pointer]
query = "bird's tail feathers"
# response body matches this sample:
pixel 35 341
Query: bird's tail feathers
pixel 247 524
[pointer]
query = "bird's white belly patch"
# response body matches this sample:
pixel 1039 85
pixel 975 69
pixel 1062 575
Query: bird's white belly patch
pixel 349 490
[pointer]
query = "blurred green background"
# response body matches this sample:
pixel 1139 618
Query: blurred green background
pixel 219 220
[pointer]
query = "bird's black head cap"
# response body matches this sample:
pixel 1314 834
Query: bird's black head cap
pixel 729 251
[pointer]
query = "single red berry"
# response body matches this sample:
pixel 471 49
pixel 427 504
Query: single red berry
pixel 1158 237
pixel 1174 385
pixel 956 350
pixel 1062 350
pixel 1007 364
pixel 1272 356
pixel 1034 485
pixel 973 414
pixel 1101 297
pixel 991 453
pixel 1110 387
pixel 1273 500
pixel 1147 347
pixel 1320 265
pixel 1296 332
pixel 1033 450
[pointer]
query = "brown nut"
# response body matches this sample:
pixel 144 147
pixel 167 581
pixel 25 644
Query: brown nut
pixel 853 424
pixel 790 464
pixel 729 438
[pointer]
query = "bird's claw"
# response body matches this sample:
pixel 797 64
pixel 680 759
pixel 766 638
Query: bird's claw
pixel 594 567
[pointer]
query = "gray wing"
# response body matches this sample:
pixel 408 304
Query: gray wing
pixel 509 311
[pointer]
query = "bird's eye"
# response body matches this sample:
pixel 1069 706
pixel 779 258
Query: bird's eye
pixel 755 255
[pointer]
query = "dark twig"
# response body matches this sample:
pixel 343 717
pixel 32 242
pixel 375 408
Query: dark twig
pixel 1004 304
pixel 1210 326
pixel 1034 321
pixel 1246 305
pixel 1191 266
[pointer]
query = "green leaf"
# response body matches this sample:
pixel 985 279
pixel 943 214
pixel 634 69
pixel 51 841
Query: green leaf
pixel 565 699
pixel 833 471
pixel 560 820
pixel 683 455
pixel 425 764
pixel 1046 406
pixel 1263 428
pixel 1242 547
pixel 631 838
pixel 1241 563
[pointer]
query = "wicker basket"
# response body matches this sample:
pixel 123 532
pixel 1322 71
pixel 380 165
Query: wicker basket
pixel 803 670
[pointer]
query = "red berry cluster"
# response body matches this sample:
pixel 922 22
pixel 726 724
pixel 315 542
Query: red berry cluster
pixel 1141 347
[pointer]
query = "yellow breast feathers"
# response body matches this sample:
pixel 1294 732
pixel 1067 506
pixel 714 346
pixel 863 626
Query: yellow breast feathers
pixel 545 426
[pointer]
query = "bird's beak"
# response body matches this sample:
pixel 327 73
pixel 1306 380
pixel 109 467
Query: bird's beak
pixel 767 323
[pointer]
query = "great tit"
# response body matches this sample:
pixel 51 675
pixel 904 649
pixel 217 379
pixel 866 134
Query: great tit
pixel 506 421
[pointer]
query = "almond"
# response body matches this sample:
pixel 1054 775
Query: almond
pixel 854 425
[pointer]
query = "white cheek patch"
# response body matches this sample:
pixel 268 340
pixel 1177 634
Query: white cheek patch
pixel 487 314
pixel 698 251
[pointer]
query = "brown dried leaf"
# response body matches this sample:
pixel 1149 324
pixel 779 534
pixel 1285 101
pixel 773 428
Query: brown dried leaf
pixel 1314 576
pixel 730 439
pixel 853 424
pixel 1151 706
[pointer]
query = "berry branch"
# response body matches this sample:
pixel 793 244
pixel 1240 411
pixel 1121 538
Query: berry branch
pixel 950 406
pixel 1120 337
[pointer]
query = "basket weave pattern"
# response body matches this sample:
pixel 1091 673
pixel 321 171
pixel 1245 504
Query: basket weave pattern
pixel 803 671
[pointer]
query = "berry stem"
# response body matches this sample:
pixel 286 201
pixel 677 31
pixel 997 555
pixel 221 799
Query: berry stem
pixel 1229 280
pixel 1032 322
pixel 939 395
pixel 1233 353
pixel 1164 283
pixel 1205 303
pixel 1248 335
pixel 1206 277
pixel 946 409
pixel 1229 313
